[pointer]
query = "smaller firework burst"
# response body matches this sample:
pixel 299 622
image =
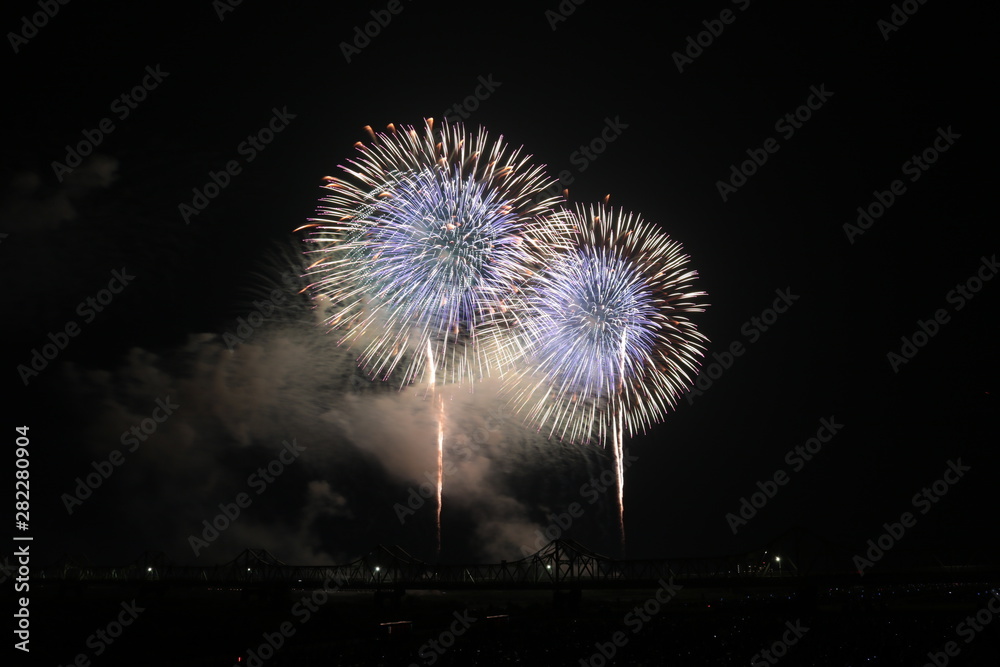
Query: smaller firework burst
pixel 605 334
pixel 605 341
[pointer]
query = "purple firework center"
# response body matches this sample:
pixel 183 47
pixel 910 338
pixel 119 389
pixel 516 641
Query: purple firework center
pixel 443 249
pixel 594 322
pixel 605 341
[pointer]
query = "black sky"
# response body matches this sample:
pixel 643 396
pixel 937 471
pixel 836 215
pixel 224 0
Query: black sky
pixel 824 358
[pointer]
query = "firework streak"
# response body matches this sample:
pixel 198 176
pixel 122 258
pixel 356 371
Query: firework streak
pixel 604 340
pixel 426 237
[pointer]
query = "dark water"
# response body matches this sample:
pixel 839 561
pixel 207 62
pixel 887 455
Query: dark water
pixel 891 626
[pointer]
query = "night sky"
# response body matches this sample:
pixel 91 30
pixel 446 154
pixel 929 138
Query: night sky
pixel 870 98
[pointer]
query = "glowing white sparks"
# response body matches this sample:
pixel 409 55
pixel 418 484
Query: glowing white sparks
pixel 427 236
pixel 606 347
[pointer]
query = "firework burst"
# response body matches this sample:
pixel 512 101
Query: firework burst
pixel 605 343
pixel 427 236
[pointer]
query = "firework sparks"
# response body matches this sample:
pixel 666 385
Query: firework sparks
pixel 440 439
pixel 425 238
pixel 605 341
pixel 441 261
pixel 440 467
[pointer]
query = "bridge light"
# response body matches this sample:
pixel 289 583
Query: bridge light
pixel 377 568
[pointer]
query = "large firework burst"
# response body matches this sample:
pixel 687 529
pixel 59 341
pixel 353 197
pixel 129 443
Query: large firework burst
pixel 605 341
pixel 427 235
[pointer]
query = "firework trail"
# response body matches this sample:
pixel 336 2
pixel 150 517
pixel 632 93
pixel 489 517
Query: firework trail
pixel 440 441
pixel 440 468
pixel 605 344
pixel 426 237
